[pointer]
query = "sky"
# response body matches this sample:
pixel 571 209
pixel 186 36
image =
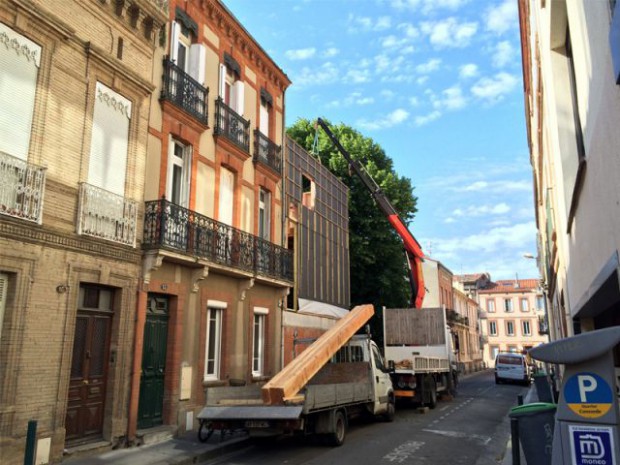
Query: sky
pixel 436 83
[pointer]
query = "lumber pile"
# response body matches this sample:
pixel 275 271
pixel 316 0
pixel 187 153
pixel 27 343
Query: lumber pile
pixel 288 382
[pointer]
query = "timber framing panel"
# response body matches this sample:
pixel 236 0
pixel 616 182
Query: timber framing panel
pixel 322 228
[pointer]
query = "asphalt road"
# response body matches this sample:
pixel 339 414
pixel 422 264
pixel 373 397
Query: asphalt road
pixel 471 429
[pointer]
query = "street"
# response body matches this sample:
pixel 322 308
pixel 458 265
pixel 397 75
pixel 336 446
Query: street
pixel 471 429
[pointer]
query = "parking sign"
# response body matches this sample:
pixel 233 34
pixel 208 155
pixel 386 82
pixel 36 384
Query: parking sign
pixel 592 445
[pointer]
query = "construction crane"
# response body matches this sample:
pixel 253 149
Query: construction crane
pixel 413 251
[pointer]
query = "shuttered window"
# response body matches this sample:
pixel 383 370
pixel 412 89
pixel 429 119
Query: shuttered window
pixel 20 59
pixel 198 62
pixel 109 142
pixel 4 284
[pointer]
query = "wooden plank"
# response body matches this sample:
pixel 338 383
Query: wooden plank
pixel 296 374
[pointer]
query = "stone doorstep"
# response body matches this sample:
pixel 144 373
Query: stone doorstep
pixel 86 449
pixel 156 434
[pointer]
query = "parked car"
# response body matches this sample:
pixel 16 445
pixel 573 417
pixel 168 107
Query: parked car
pixel 512 367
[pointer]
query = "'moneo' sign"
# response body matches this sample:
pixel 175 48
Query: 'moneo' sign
pixel 588 395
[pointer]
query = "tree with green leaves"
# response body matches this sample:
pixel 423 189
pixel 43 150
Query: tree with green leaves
pixel 378 263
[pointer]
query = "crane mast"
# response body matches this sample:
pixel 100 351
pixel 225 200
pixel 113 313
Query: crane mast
pixel 413 251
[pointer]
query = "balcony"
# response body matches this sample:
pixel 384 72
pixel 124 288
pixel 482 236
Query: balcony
pixel 106 215
pixel 267 152
pixel 172 227
pixel 185 92
pixel 21 189
pixel 231 125
pixel 455 318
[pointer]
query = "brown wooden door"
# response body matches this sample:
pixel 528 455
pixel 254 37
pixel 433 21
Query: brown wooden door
pixel 85 409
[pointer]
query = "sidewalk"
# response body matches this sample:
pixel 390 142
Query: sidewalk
pixel 186 449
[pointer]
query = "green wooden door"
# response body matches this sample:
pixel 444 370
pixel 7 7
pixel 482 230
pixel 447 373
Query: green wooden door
pixel 150 409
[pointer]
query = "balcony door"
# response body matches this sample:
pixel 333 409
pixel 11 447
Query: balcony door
pixel 226 245
pixel 179 163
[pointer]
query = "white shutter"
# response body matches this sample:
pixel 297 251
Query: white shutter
pixel 175 30
pixel 197 62
pixel 264 120
pixel 222 81
pixel 4 286
pixel 239 92
pixel 109 140
pixel 19 61
pixel 227 181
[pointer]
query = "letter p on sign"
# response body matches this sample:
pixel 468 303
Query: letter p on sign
pixel 587 384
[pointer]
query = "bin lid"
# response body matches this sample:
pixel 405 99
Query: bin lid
pixel 534 407
pixel 540 374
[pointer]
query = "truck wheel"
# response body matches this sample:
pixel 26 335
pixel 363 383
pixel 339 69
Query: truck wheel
pixel 205 431
pixel 391 410
pixel 340 430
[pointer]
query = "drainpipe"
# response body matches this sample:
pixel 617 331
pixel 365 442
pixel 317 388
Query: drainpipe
pixel 134 395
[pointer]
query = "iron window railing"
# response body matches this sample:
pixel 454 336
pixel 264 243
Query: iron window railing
pixel 22 186
pixel 185 92
pixel 106 215
pixel 231 125
pixel 267 152
pixel 170 226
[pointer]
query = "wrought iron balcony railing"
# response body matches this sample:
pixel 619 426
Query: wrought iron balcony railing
pixel 185 92
pixel 107 215
pixel 231 125
pixel 267 152
pixel 22 186
pixel 170 226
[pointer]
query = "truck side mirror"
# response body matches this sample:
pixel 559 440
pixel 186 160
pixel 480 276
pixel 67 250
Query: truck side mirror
pixel 391 366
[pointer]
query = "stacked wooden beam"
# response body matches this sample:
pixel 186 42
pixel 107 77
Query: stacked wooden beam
pixel 288 382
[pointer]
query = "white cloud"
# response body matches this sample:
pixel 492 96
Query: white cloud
pixel 392 42
pixel 425 119
pixel 413 101
pixel 353 99
pixel 468 70
pixel 387 94
pixel 493 89
pixel 409 30
pixel 392 119
pixel 324 74
pixel 504 54
pixel 421 80
pixel 482 210
pixel 495 186
pixel 427 6
pixel 428 67
pixel 331 52
pixel 300 54
pixel 449 32
pixel 357 76
pixel 451 99
pixel 494 240
pixel 366 23
pixel 501 18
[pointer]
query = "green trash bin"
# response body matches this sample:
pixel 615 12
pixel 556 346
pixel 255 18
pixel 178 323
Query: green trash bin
pixel 543 387
pixel 536 424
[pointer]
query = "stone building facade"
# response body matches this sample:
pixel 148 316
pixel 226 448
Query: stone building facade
pixel 75 86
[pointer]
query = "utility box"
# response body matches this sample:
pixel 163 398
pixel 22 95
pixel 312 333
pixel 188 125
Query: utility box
pixel 586 421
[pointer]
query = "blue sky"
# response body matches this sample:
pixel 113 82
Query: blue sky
pixel 438 84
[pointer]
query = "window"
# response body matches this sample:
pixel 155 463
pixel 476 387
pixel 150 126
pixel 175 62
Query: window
pixel 258 346
pixel 109 140
pixel 492 328
pixel 226 202
pixel 264 214
pixel 510 328
pixel 20 60
pixel 526 328
pixel 213 345
pixel 265 111
pixel 491 305
pixel 540 303
pixel 232 90
pixel 525 305
pixel 179 164
pixel 308 192
pixel 508 305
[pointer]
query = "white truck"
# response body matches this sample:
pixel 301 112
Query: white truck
pixel 418 349
pixel 354 380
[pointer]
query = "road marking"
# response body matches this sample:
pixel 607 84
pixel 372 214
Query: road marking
pixel 484 440
pixel 403 452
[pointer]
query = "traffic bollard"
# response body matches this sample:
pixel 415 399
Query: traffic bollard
pixel 31 437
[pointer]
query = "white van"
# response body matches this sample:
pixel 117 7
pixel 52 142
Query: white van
pixel 511 367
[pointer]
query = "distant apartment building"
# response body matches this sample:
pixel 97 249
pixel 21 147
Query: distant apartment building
pixel 512 313
pixel 465 320
pixel 571 71
pixel 75 82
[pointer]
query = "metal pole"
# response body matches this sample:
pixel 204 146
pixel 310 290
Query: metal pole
pixel 520 399
pixel 31 437
pixel 514 433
